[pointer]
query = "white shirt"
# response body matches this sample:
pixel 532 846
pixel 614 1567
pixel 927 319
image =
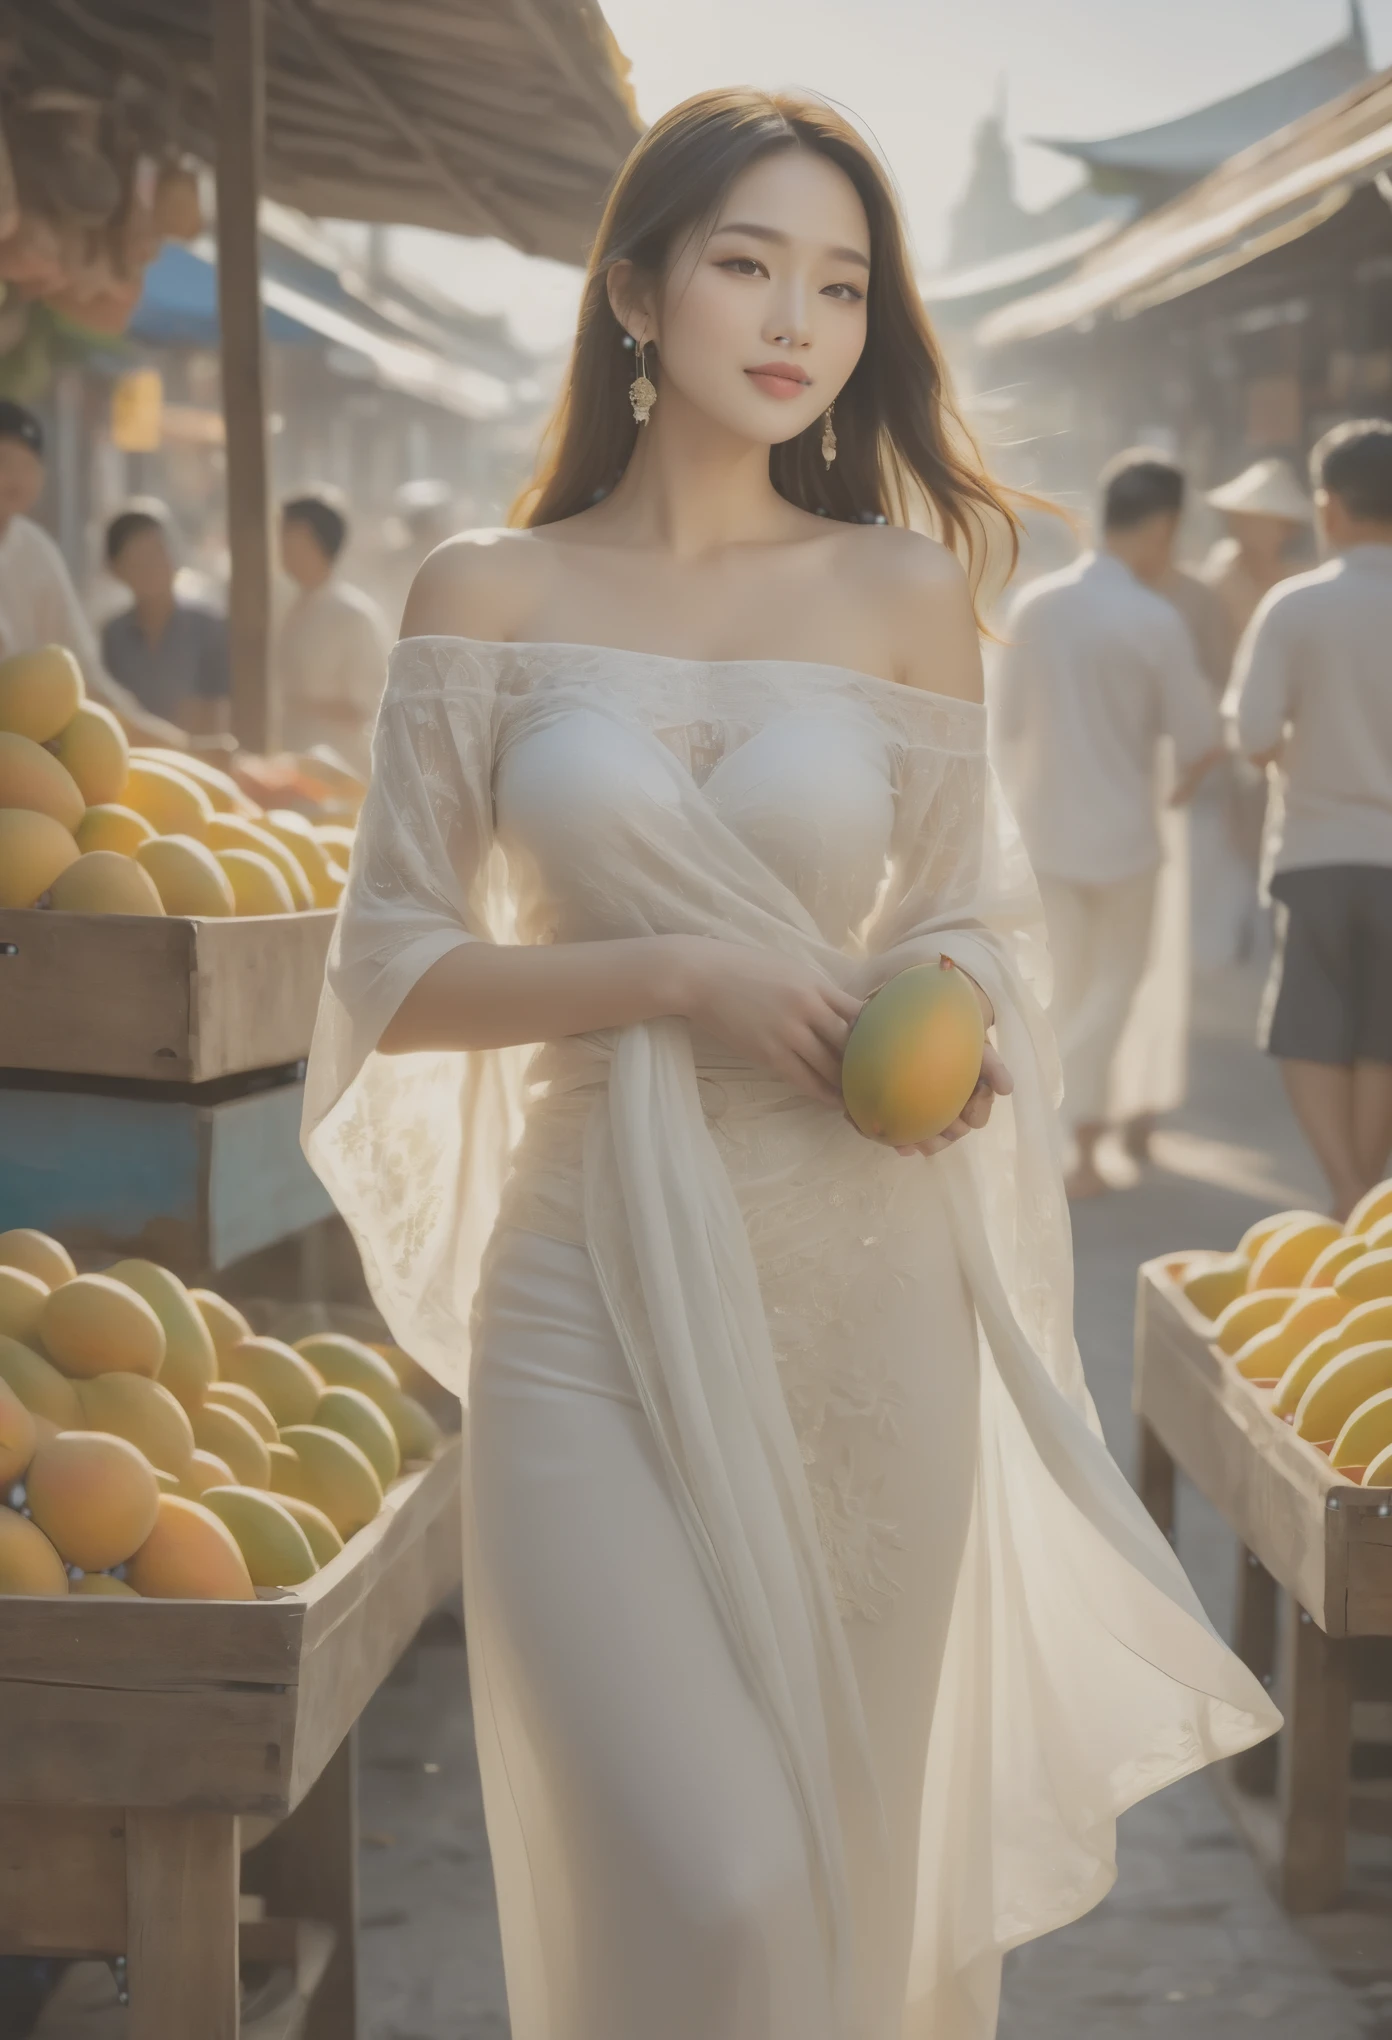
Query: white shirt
pixel 39 606
pixel 331 663
pixel 1096 671
pixel 1315 668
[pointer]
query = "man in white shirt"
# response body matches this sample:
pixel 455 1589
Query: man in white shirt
pixel 1098 670
pixel 38 602
pixel 1312 698
pixel 331 647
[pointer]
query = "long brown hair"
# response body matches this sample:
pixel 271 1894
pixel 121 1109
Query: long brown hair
pixel 901 442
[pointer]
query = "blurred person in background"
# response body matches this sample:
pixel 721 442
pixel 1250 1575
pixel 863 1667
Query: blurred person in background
pixel 1098 670
pixel 1312 702
pixel 1267 513
pixel 38 603
pixel 169 652
pixel 331 644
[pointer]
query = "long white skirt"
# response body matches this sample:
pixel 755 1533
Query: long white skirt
pixel 652 1869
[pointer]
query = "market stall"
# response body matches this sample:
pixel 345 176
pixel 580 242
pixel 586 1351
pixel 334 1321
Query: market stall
pixel 1269 1385
pixel 163 926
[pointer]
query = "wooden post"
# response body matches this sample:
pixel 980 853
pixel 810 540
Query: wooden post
pixel 239 68
pixel 181 1925
pixel 308 1869
pixel 1313 1763
pixel 1155 1477
pixel 1254 1770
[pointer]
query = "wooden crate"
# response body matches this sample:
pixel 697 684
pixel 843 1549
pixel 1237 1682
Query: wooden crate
pixel 1307 1534
pixel 186 1181
pixel 137 1755
pixel 166 999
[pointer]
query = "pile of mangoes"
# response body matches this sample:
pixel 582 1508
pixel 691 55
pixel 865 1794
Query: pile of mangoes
pixel 1303 1311
pixel 151 1444
pixel 89 826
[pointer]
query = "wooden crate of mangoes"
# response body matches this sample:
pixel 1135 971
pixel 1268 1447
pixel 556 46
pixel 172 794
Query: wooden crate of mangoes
pixel 156 921
pixel 152 1446
pixel 1266 1374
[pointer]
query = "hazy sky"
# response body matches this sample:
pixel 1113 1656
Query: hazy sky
pixel 918 74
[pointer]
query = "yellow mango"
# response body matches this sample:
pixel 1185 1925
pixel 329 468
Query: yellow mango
pixel 275 1547
pixel 1368 1278
pixel 190 1555
pixel 1335 1256
pixel 93 1495
pixel 1288 1256
pixel 94 750
pixel 93 1325
pixel 102 1586
pixel 324 1540
pixel 190 1358
pixel 171 801
pixel 222 790
pixel 109 826
pixel 34 849
pixel 1254 1311
pixel 36 1254
pixel 228 1435
pixel 338 1476
pixel 1373 1205
pixel 1366 1433
pixel 39 691
pixel 914 1055
pixel 105 882
pixel 299 839
pixel 43 1391
pixel 189 878
pixel 1340 1386
pixel 31 777
pixel 236 832
pixel 134 1408
pixel 1256 1236
pixel 285 1381
pixel 1267 1356
pixel 1212 1282
pixel 205 1471
pixel 233 1396
pixel 19 1436
pixel 223 1319
pixel 28 1562
pixel 257 887
pixel 22 1298
pixel 355 1415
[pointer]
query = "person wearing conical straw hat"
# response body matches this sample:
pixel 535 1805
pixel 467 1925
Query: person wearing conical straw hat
pixel 1265 509
pixel 1267 512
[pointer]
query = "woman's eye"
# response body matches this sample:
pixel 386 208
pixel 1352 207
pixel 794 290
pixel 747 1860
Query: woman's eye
pixel 853 296
pixel 745 264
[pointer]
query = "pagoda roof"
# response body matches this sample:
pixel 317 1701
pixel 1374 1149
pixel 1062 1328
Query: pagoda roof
pixel 1197 142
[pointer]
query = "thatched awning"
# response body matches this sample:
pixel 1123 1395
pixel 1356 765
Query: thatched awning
pixel 503 117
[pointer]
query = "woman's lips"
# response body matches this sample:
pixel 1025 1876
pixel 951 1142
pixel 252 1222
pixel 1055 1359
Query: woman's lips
pixel 775 384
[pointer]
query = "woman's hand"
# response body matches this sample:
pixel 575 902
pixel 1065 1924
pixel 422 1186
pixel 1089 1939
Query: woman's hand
pixel 994 1082
pixel 767 1009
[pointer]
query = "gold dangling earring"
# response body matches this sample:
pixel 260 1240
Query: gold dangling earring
pixel 828 435
pixel 642 392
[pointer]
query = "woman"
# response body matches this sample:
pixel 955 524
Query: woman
pixel 815 1639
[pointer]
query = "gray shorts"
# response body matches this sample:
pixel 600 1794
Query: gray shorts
pixel 1329 997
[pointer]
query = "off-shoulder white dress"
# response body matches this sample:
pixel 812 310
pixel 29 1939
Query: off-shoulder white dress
pixel 816 1641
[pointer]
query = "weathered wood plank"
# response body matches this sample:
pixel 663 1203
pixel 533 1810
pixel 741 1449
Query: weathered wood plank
pixel 1313 1764
pixel 62 1881
pixel 308 1870
pixel 239 58
pixel 1254 1770
pixel 163 1000
pixel 150 1646
pixel 216 1750
pixel 181 1935
pixel 194 1186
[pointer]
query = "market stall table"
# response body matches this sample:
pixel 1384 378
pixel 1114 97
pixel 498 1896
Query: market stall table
pixel 1307 1535
pixel 144 1743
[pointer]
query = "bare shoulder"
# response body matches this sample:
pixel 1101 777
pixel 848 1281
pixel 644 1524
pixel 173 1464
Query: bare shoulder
pixel 921 592
pixel 476 585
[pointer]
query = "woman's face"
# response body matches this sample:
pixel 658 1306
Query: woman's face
pixel 760 323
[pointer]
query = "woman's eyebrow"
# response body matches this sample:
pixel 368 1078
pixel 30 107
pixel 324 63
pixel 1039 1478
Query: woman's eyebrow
pixel 759 233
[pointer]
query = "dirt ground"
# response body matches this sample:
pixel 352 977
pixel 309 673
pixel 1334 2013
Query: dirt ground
pixel 1189 1942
